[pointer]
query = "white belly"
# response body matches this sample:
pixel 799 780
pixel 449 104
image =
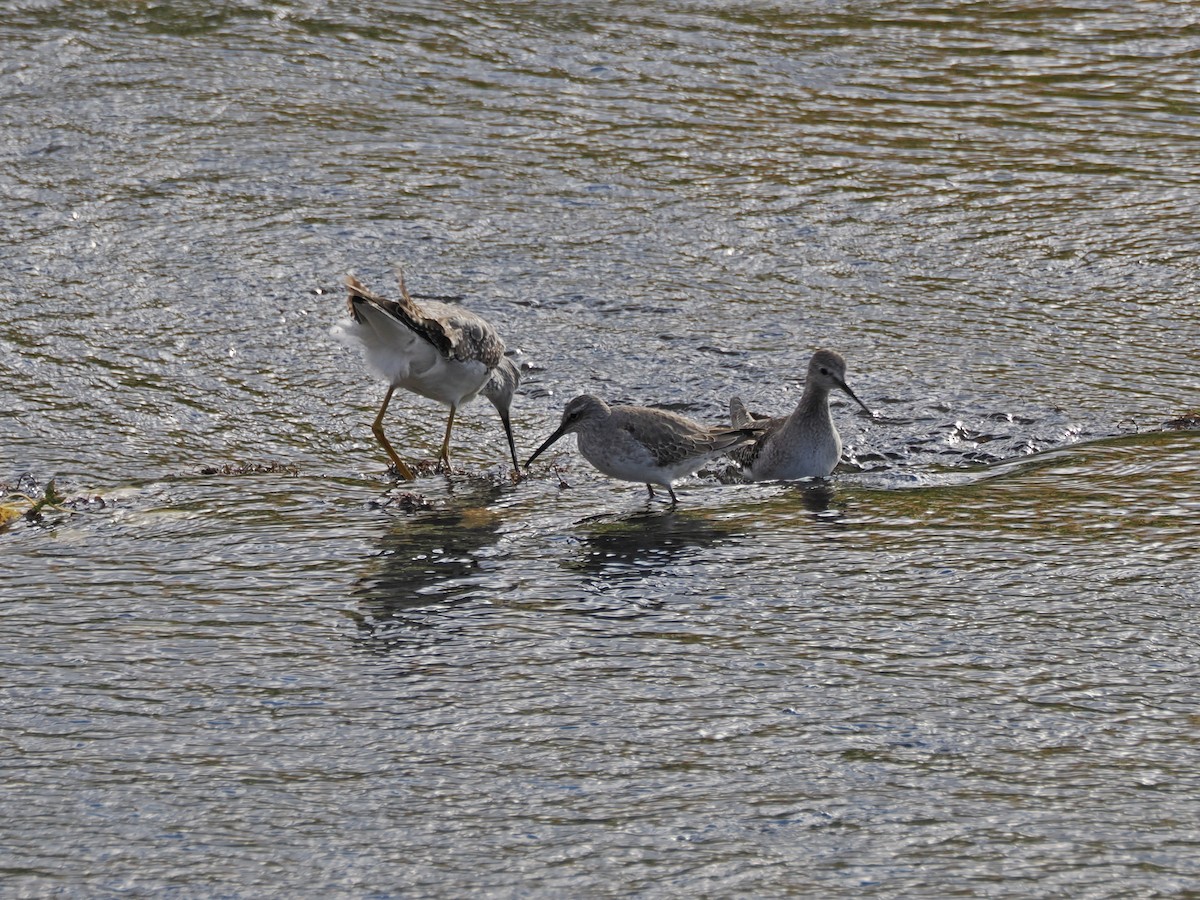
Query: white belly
pixel 405 360
pixel 782 459
pixel 618 455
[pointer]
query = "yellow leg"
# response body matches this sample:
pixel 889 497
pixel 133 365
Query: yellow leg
pixel 401 468
pixel 444 458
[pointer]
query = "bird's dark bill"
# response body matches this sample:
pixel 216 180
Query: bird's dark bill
pixel 550 440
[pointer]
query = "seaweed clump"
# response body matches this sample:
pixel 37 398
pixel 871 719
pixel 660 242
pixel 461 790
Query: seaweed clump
pixel 267 468
pixel 27 500
pixel 1185 422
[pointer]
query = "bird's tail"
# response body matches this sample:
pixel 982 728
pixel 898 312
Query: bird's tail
pixel 738 414
pixel 728 438
pixel 404 310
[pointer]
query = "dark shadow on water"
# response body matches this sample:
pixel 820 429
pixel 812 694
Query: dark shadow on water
pixel 816 496
pixel 427 564
pixel 632 546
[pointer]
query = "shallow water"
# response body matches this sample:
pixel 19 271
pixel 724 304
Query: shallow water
pixel 241 661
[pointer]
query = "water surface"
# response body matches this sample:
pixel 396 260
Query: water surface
pixel 242 661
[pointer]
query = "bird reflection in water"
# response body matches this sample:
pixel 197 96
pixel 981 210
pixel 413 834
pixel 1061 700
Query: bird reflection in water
pixel 635 545
pixel 427 565
pixel 816 496
pixel 639 543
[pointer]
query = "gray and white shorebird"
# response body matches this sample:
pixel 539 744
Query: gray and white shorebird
pixel 637 443
pixel 805 444
pixel 435 349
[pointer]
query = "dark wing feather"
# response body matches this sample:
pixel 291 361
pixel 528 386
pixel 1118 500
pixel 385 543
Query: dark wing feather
pixel 747 453
pixel 453 331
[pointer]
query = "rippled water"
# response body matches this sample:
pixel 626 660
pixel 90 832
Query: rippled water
pixel 239 661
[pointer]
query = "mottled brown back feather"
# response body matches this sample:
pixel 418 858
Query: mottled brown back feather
pixel 456 333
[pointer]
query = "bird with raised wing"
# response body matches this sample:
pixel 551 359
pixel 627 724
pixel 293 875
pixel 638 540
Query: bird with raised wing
pixel 435 349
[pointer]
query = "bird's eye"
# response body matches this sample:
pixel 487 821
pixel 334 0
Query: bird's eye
pixel 824 371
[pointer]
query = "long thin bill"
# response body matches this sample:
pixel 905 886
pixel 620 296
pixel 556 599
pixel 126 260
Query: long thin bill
pixel 550 440
pixel 845 387
pixel 512 447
